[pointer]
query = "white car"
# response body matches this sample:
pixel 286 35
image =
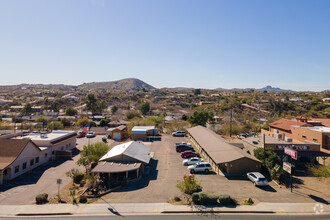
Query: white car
pixel 199 167
pixel 191 161
pixel 179 134
pixel 257 178
pixel 90 134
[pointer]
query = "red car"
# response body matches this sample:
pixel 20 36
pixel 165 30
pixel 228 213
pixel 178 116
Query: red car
pixel 189 153
pixel 81 134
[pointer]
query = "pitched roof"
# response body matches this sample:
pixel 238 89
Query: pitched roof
pixel 115 167
pixel 131 149
pixel 285 124
pixel 324 121
pixel 10 149
pixel 217 147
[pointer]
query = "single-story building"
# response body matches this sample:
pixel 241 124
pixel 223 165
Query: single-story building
pixel 124 161
pixel 17 156
pixel 143 132
pixel 117 133
pixel 116 123
pixel 222 156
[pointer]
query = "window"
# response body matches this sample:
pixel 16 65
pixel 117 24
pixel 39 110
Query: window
pixel 53 152
pixel 45 154
pixel 24 166
pixel 304 136
pixel 37 159
pixel 16 169
pixel 5 172
pixel 314 139
pixel 31 162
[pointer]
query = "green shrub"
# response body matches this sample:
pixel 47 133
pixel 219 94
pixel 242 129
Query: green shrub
pixel 177 199
pixel 320 171
pixel 41 198
pixel 189 184
pixel 227 200
pixel 195 198
pixel 248 201
pixel 83 199
pixel 82 183
pixel 78 177
pixel 204 199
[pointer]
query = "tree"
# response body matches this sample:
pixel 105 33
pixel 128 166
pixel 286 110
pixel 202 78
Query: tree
pixel 200 118
pixel 197 91
pixel 114 109
pixel 91 154
pixel 83 122
pixel 104 122
pixel 94 105
pixel 71 111
pixel 55 125
pixel 66 122
pixel 145 108
pixel 55 106
pixel 27 109
pixel 132 114
pixel 41 119
pixel 271 157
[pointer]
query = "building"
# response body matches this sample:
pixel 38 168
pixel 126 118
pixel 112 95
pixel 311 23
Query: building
pixel 18 156
pixel 117 123
pixel 117 133
pixel 222 156
pixel 143 132
pixel 123 162
pixel 55 144
pixel 303 129
pixel 308 151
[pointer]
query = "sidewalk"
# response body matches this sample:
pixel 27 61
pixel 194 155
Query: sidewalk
pixel 158 208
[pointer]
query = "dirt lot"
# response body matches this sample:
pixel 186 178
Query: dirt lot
pixel 161 185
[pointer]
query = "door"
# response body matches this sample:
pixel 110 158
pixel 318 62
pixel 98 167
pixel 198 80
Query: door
pixel 117 136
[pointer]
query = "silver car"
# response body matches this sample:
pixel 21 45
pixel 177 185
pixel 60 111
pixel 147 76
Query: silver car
pixel 191 161
pixel 90 134
pixel 257 178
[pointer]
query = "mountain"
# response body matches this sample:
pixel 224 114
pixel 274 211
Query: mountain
pixel 130 84
pixel 270 88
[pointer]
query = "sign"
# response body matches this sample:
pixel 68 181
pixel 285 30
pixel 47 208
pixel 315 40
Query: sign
pixel 292 153
pixel 287 167
pixel 59 181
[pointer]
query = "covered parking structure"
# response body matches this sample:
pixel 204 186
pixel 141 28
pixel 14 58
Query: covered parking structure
pixel 223 157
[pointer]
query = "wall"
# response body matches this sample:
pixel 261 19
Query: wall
pixel 243 166
pixel 136 137
pixel 311 135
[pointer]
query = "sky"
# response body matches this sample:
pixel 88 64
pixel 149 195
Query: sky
pixel 167 43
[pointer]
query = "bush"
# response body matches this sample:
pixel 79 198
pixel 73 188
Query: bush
pixel 189 184
pixel 205 199
pixel 78 177
pixel 41 198
pixel 82 183
pixel 83 199
pixel 177 199
pixel 320 171
pixel 227 200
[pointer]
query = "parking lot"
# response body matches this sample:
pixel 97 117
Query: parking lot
pixel 161 184
pixel 24 188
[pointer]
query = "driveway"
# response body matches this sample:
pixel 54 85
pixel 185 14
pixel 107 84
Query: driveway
pixel 23 189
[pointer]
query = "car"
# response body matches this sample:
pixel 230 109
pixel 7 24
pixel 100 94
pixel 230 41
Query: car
pixel 257 178
pixel 183 147
pixel 242 136
pixel 90 134
pixel 81 134
pixel 191 161
pixel 199 167
pixel 183 143
pixel 179 134
pixel 189 153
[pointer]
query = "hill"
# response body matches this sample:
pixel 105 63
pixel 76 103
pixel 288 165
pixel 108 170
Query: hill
pixel 130 84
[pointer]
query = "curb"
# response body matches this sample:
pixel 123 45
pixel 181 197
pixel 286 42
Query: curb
pixel 260 212
pixel 44 214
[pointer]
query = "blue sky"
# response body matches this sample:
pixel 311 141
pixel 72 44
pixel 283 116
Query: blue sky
pixel 169 43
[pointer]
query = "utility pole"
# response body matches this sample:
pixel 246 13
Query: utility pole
pixel 231 117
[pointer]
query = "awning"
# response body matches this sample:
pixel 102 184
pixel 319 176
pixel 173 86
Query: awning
pixel 116 167
pixel 306 153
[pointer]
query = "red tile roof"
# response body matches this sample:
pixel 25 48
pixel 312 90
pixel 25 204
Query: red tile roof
pixel 324 121
pixel 285 124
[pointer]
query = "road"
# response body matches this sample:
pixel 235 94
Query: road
pixel 183 217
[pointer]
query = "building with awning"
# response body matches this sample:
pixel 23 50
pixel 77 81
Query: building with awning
pixel 124 161
pixel 143 132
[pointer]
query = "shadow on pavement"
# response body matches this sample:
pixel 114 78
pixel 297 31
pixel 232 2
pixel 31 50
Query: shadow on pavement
pixel 33 176
pixel 144 181
pixel 319 199
pixel 268 188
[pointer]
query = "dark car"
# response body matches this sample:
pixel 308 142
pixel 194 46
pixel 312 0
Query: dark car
pixel 81 134
pixel 189 153
pixel 183 147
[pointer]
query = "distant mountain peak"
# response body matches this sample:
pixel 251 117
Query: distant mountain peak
pixel 128 84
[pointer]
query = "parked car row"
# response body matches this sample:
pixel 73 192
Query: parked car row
pixel 245 135
pixel 82 134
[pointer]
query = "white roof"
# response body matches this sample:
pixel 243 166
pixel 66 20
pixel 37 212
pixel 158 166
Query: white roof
pixel 319 128
pixel 142 128
pixel 131 149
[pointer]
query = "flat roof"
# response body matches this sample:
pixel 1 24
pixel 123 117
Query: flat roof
pixel 53 137
pixel 142 128
pixel 319 128
pixel 257 141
